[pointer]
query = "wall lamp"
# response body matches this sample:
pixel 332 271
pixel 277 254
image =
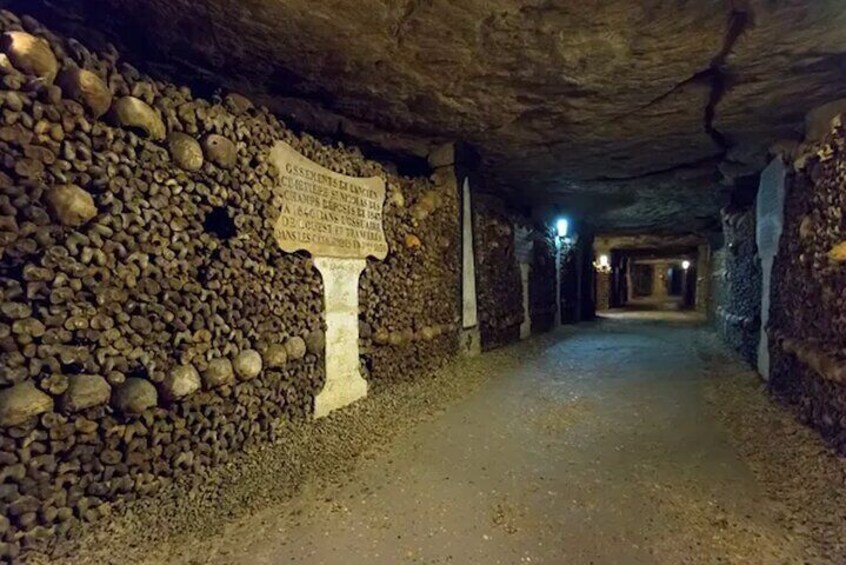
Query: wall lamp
pixel 685 264
pixel 562 226
pixel 602 266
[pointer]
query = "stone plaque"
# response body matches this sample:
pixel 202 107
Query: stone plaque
pixel 338 219
pixel 326 213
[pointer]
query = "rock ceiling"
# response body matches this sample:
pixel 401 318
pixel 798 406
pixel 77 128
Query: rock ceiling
pixel 621 111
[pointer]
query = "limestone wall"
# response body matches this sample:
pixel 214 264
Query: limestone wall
pixel 149 324
pixel 808 315
pixel 737 300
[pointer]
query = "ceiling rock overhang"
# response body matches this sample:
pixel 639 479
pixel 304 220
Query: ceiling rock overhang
pixel 650 246
pixel 632 114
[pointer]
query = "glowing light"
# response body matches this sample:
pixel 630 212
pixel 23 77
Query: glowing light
pixel 602 265
pixel 685 265
pixel 562 225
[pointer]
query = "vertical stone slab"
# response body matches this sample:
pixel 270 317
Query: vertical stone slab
pixel 469 312
pixel 471 343
pixel 526 326
pixel 344 383
pixel 659 281
pixel 769 224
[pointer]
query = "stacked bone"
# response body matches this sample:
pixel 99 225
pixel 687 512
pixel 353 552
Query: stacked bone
pixel 542 281
pixel 409 302
pixel 149 323
pixel 742 295
pixel 809 307
pixel 499 288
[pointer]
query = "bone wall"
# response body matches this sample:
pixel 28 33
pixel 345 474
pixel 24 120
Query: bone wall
pixel 542 280
pixel 149 324
pixel 737 294
pixel 411 301
pixel 808 314
pixel 500 291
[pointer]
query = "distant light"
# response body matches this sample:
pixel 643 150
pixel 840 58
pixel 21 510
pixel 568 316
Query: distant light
pixel 562 226
pixel 685 265
pixel 602 266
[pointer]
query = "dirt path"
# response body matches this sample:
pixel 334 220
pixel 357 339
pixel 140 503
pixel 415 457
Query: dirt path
pixel 617 442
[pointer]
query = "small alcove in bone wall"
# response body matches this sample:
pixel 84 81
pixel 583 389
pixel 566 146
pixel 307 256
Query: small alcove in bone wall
pixel 220 223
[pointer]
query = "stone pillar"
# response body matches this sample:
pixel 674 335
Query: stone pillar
pixel 769 222
pixel 603 291
pixel 703 278
pixel 659 281
pixel 526 326
pixel 443 161
pixel 344 383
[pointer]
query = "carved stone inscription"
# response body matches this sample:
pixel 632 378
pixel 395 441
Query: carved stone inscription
pixel 326 213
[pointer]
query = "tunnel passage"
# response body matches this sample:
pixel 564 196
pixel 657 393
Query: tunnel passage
pixel 650 272
pixel 215 216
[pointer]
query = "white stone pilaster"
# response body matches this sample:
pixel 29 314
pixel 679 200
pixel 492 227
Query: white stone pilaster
pixel 769 222
pixel 470 338
pixel 526 326
pixel 344 383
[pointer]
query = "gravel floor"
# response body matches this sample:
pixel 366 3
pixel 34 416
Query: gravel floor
pixel 616 442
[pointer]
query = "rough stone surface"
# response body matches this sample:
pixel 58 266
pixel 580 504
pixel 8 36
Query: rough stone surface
pixel 71 205
pixel 21 402
pixel 135 396
pixel 181 381
pixel 218 373
pixel 85 391
pixel 247 364
pixel 565 101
